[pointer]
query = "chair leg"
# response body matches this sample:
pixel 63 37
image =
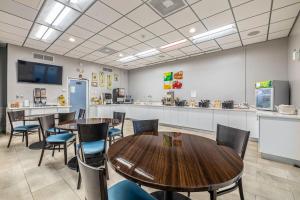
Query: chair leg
pixel 59 148
pixel 42 155
pixel 39 131
pixel 240 184
pixel 75 147
pixel 79 181
pixel 106 167
pixel 23 136
pixel 53 150
pixel 26 138
pixel 213 195
pixel 11 135
pixel 189 194
pixel 109 140
pixel 65 152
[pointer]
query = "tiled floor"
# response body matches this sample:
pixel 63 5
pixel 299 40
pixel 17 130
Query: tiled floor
pixel 21 178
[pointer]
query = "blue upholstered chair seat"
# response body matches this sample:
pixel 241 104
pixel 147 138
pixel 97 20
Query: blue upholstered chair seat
pixel 114 132
pixel 56 130
pixel 128 190
pixel 93 147
pixel 63 137
pixel 26 128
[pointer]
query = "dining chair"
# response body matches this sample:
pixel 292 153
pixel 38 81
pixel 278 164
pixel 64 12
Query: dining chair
pixel 92 142
pixel 24 130
pixel 116 132
pixel 237 140
pixel 51 140
pixel 95 185
pixel 81 114
pixel 142 126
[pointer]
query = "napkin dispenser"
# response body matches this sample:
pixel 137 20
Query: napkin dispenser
pixel 287 109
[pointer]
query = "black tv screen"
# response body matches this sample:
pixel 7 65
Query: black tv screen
pixel 32 72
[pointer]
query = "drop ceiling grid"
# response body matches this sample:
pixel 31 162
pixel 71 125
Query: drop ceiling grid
pixel 281 31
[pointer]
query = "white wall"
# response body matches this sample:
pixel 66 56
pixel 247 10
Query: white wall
pixel 229 74
pixel 294 66
pixel 70 65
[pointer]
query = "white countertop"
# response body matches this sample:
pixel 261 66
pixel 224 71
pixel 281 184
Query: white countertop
pixel 38 107
pixel 276 115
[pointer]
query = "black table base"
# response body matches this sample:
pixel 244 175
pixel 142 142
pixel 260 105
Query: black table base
pixel 36 145
pixel 164 195
pixel 73 164
pixel 93 161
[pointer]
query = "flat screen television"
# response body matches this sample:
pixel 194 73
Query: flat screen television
pixel 32 72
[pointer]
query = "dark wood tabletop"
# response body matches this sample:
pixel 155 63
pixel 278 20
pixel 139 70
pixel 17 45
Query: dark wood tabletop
pixel 173 161
pixel 72 125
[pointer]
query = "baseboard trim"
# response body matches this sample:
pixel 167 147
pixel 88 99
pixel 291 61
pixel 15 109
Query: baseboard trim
pixel 280 159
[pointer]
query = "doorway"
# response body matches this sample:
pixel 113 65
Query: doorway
pixel 78 94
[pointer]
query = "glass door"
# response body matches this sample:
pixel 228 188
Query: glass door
pixel 264 98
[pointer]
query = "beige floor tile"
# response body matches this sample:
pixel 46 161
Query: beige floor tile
pixel 19 191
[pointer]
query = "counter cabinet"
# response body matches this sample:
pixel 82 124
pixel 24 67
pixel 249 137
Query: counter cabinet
pixel 197 118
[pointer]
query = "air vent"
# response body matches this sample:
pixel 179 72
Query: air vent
pixel 43 57
pixel 166 7
pixel 107 69
pixel 107 50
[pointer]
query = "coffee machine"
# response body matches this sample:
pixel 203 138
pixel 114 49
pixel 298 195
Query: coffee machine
pixel 170 100
pixel 118 95
pixel 107 98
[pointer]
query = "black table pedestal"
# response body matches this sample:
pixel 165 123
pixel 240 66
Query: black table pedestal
pixel 36 145
pixel 73 164
pixel 166 195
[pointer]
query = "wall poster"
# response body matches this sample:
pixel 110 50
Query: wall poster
pixel 173 80
pixel 109 81
pixel 101 79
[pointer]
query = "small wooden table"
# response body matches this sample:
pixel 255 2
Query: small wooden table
pixel 72 126
pixel 175 162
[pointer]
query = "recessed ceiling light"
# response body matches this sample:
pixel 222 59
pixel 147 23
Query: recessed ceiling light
pixel 121 55
pixel 215 33
pixel 253 33
pixel 72 39
pixel 173 44
pixel 192 30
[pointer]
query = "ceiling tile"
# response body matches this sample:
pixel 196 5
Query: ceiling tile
pixel 253 40
pixel 31 3
pixel 219 20
pixel 90 24
pixel 192 1
pixel 130 51
pixel 141 47
pixel 279 34
pixel 176 53
pixel 125 25
pixel 207 8
pixel 91 45
pixel 64 44
pixel 144 15
pixel 285 13
pixel 283 3
pixel 160 27
pixel 100 40
pixel 182 18
pixel 237 2
pixel 282 25
pixel 84 49
pixel 231 45
pixel 36 44
pixel 123 6
pixel 98 54
pixel 13 29
pixel 228 39
pixel 79 32
pixel 103 13
pixel 253 22
pixel 128 41
pixel 8 36
pixel 156 42
pixel 57 50
pixel 142 35
pixel 190 49
pixel 9 41
pixel 209 45
pixel 198 26
pixel 15 21
pixel 111 33
pixel 18 9
pixel 89 57
pixel 251 9
pixel 116 46
pixel 172 37
pixel 262 31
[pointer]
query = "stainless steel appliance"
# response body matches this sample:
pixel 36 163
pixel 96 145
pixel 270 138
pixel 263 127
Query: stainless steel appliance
pixel 271 93
pixel 107 98
pixel 170 100
pixel 118 95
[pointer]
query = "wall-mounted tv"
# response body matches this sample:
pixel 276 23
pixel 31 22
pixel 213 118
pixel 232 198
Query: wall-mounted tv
pixel 32 72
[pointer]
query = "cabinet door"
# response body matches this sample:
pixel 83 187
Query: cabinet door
pixel 220 117
pixel 183 117
pixel 92 112
pixel 237 119
pixel 252 124
pixel 201 119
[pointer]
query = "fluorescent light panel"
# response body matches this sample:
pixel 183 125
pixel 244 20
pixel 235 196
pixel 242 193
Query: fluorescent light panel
pixel 173 44
pixel 40 32
pixel 127 59
pixel 54 11
pixel 147 53
pixel 215 33
pixel 62 16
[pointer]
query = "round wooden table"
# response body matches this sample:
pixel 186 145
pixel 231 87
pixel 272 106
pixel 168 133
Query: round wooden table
pixel 72 126
pixel 175 162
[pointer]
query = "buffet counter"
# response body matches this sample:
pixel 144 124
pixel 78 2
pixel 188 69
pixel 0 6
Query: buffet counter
pixel 184 116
